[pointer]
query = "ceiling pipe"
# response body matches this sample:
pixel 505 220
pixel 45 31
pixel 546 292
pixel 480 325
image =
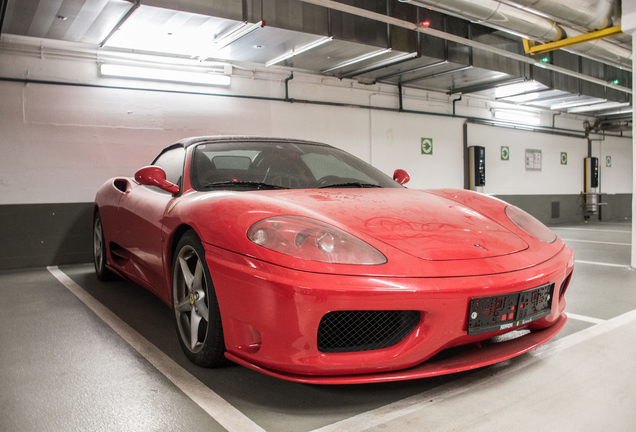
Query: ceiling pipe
pixel 464 41
pixel 590 14
pixel 601 50
pixel 497 15
pixel 582 14
pixel 455 101
pixel 521 22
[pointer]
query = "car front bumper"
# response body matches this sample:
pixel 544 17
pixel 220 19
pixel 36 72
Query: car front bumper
pixel 271 315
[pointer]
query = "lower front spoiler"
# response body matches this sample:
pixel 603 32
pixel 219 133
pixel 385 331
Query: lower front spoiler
pixel 474 358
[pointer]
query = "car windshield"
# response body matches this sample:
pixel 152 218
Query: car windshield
pixel 262 165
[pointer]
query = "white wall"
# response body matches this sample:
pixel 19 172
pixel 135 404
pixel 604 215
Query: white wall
pixel 60 143
pixel 509 177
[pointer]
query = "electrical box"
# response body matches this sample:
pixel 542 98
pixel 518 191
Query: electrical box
pixel 591 184
pixel 477 167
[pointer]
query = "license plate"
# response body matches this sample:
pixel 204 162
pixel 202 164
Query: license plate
pixel 508 311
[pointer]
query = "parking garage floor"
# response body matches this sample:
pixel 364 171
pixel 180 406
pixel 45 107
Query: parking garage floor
pixel 77 354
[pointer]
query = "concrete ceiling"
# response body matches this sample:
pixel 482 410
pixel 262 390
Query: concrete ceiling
pixel 361 48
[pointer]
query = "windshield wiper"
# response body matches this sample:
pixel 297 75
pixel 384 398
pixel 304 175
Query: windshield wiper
pixel 351 184
pixel 256 185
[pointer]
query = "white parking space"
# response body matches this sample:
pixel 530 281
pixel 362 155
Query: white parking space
pixel 585 369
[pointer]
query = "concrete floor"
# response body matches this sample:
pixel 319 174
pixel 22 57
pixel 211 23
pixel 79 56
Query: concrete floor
pixel 77 354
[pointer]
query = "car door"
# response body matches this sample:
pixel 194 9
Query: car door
pixel 141 213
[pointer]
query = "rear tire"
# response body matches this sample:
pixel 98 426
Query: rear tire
pixel 196 310
pixel 99 251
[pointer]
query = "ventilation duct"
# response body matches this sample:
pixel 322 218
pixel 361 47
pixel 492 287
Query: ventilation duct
pixel 590 14
pixel 497 15
pixel 584 14
pixel 517 21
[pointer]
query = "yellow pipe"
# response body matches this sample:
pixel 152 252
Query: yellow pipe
pixel 530 48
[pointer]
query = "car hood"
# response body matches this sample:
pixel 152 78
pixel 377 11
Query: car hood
pixel 421 224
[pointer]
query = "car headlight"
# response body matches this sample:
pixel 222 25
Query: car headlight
pixel 310 239
pixel 530 224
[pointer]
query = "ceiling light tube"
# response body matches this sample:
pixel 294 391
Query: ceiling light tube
pixel 598 106
pixel 618 111
pixel 357 60
pixel 299 51
pixel 164 75
pixel 526 118
pixel 577 103
pixel 235 33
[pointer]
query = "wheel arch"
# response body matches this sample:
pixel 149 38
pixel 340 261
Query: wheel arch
pixel 176 236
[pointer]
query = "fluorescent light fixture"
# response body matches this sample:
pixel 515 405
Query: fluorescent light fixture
pixel 299 51
pixel 618 111
pixel 597 107
pixel 232 35
pixel 576 103
pixel 164 75
pixel 526 118
pixel 357 60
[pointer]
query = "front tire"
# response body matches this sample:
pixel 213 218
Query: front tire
pixel 196 309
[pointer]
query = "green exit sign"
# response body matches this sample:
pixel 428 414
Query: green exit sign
pixel 427 146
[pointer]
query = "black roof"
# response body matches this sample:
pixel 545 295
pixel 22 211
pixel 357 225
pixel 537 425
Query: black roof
pixel 187 142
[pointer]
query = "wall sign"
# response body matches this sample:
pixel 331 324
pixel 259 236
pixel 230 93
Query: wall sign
pixel 533 160
pixel 608 161
pixel 564 158
pixel 505 153
pixel 427 146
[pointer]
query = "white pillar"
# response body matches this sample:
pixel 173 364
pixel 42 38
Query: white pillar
pixel 628 25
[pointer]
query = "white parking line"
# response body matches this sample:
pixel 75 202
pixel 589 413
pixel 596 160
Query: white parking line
pixel 218 408
pixel 585 318
pixel 603 264
pixel 384 414
pixel 589 229
pixel 598 242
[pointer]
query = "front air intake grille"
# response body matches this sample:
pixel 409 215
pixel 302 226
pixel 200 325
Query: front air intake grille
pixel 348 331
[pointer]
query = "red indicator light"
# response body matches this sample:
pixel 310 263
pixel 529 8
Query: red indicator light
pixel 511 316
pixel 512 308
pixel 504 317
pixel 522 305
pixel 425 23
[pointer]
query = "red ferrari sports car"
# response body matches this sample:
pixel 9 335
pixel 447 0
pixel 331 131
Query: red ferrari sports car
pixel 303 262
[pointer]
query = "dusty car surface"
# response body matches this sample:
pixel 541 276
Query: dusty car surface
pixel 303 262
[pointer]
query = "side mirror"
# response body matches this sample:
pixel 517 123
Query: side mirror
pixel 401 176
pixel 155 176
